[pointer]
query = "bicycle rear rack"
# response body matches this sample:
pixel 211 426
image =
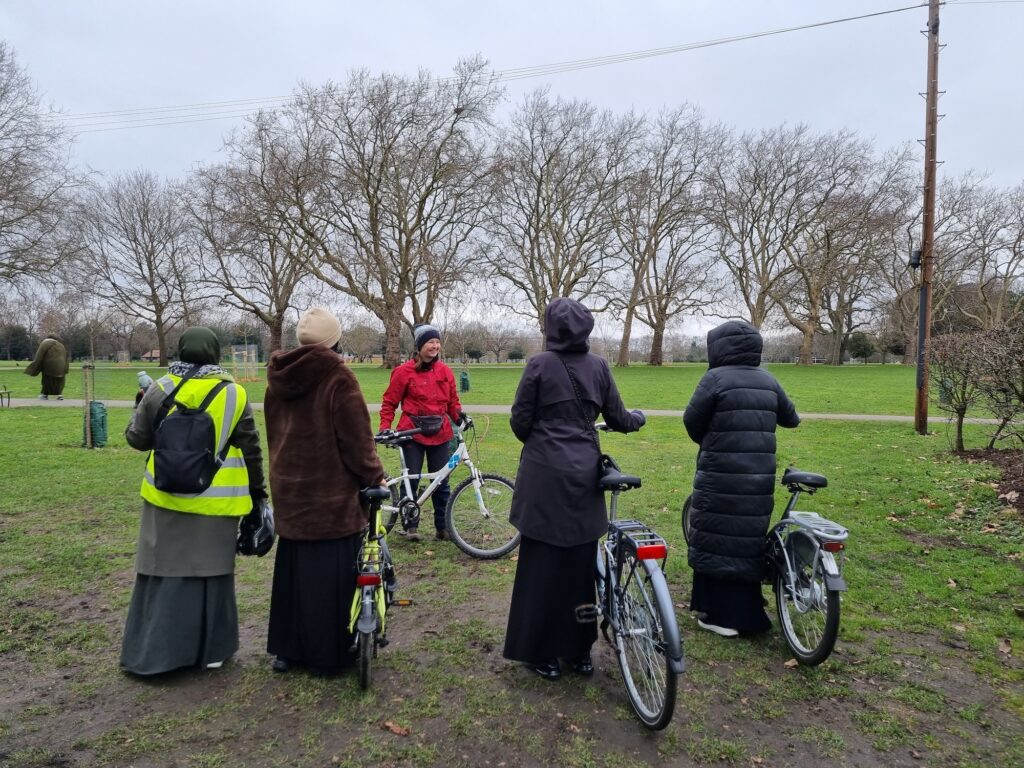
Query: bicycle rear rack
pixel 640 540
pixel 818 525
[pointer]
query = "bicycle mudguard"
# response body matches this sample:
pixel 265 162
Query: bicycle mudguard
pixel 833 578
pixel 673 641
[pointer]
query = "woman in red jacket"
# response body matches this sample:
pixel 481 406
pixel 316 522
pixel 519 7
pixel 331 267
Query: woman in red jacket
pixel 424 388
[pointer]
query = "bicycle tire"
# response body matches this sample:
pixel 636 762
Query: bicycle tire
pixel 396 496
pixel 687 526
pixel 809 620
pixel 484 537
pixel 365 644
pixel 641 615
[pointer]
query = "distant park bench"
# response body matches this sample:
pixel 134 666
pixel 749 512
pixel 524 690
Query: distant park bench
pixel 5 395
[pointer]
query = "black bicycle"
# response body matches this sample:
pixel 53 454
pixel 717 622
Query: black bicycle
pixel 805 568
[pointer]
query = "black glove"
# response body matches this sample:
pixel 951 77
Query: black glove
pixel 464 419
pixel 640 415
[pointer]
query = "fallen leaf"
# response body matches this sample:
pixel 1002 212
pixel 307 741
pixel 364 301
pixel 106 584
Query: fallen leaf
pixel 960 628
pixel 757 760
pixel 428 552
pixel 395 728
pixel 915 754
pixel 951 583
pixel 1004 646
pixel 574 728
pixel 791 664
pixel 1010 496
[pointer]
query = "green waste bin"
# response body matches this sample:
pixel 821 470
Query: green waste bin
pixel 97 426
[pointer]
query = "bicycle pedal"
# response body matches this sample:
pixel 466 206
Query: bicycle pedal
pixel 587 614
pixel 403 601
pixel 382 641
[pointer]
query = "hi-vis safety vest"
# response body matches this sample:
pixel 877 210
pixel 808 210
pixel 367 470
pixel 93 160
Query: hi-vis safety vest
pixel 228 494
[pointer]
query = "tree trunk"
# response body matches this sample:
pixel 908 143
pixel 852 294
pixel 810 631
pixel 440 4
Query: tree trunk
pixel 161 343
pixel 807 346
pixel 392 339
pixel 627 329
pixel 657 345
pixel 276 330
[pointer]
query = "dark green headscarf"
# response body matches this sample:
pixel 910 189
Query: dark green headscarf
pixel 199 345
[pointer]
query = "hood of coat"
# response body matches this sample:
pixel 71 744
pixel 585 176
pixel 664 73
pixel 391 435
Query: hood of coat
pixel 295 373
pixel 734 343
pixel 567 326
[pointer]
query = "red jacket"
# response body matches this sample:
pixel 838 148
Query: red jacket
pixel 421 393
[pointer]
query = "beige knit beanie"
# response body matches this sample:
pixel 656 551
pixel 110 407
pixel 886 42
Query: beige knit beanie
pixel 318 326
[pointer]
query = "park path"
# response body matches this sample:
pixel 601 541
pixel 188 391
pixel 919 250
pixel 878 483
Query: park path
pixel 374 407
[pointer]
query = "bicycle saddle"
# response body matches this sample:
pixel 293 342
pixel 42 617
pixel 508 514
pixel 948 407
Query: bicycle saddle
pixel 613 480
pixel 811 480
pixel 375 493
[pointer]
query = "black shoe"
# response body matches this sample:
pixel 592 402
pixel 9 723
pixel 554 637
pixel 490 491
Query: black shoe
pixel 584 665
pixel 549 670
pixel 280 665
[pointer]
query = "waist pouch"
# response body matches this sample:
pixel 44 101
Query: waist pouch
pixel 430 425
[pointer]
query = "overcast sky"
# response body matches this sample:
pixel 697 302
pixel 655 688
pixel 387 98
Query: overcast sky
pixel 107 55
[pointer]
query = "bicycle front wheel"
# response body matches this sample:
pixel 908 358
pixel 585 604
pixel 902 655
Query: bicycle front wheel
pixel 808 609
pixel 478 522
pixel 642 643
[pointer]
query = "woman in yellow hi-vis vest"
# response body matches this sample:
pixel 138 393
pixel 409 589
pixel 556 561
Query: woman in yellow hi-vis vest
pixel 183 611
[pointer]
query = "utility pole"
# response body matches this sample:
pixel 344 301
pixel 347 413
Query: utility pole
pixel 931 124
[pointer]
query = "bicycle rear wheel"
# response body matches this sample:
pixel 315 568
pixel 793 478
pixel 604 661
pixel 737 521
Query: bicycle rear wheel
pixel 809 612
pixel 641 642
pixel 484 533
pixel 365 643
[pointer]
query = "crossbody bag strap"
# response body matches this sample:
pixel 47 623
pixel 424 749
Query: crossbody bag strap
pixel 168 403
pixel 579 401
pixel 223 452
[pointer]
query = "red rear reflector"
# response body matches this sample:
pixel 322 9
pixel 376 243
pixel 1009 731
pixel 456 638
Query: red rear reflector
pixel 833 546
pixel 651 552
pixel 368 579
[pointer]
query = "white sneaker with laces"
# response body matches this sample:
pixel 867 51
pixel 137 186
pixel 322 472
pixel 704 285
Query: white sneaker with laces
pixel 723 631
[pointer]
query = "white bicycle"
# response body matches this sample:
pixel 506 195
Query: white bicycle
pixel 477 515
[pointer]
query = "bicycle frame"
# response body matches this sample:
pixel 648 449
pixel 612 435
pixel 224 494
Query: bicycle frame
pixel 405 477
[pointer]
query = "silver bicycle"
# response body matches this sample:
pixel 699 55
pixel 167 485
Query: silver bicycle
pixel 477 515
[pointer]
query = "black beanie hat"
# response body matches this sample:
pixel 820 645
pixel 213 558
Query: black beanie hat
pixel 422 333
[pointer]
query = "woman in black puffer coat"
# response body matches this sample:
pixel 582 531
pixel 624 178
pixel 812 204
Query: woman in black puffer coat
pixel 732 416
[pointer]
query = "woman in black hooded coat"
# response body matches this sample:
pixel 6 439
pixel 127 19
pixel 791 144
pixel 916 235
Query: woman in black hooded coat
pixel 557 505
pixel 732 416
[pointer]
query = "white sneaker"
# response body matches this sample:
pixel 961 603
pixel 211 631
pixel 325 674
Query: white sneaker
pixel 723 631
pixel 215 665
pixel 43 397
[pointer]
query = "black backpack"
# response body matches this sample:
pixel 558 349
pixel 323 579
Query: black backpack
pixel 185 456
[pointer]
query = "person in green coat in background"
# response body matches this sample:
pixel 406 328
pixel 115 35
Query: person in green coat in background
pixel 52 361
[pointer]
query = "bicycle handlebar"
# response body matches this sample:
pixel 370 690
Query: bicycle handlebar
pixel 391 436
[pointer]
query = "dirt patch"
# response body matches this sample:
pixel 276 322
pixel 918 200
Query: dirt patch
pixel 1011 468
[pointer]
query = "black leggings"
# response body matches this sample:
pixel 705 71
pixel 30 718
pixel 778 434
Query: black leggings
pixel 437 457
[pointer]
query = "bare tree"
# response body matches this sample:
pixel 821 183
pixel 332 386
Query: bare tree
pixel 558 169
pixel 252 257
pixel 658 224
pixel 36 180
pixel 135 238
pixel 954 369
pixel 394 190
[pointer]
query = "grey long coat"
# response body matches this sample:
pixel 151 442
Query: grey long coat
pixel 556 499
pixel 732 416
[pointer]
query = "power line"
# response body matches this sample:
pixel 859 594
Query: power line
pixel 206 111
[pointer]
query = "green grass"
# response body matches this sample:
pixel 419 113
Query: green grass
pixel 872 389
pixel 918 664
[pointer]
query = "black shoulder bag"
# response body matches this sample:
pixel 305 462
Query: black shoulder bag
pixel 603 461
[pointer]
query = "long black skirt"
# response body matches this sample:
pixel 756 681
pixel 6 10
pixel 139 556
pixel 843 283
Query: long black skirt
pixel 736 605
pixel 311 602
pixel 551 582
pixel 178 622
